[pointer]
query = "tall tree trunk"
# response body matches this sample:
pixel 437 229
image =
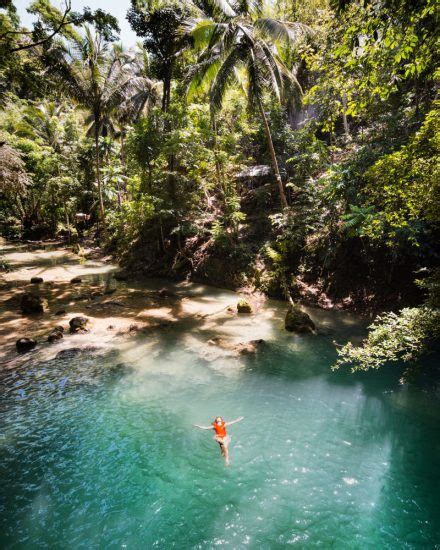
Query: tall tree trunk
pixel 273 155
pixel 166 94
pixel 98 171
pixel 166 98
pixel 344 116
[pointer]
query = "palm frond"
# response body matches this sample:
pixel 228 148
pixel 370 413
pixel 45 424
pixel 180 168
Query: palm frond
pixel 292 32
pixel 268 64
pixel 201 33
pixel 225 76
pixel 249 7
pixel 256 82
pixel 216 8
pixel 202 74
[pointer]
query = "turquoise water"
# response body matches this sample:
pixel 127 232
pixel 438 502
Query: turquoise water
pixel 98 451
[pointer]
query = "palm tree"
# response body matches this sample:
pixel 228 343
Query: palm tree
pixel 105 81
pixel 239 44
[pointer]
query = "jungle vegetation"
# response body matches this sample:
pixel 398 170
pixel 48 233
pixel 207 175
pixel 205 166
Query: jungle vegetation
pixel 289 147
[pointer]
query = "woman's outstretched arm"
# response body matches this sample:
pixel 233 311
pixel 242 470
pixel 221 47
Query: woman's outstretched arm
pixel 234 421
pixel 203 427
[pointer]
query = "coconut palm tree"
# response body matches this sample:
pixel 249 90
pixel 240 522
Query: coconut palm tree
pixel 239 45
pixel 104 80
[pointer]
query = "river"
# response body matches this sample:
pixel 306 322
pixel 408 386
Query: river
pixel 98 448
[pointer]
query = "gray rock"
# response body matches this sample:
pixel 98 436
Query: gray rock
pixel 30 303
pixel 78 323
pixel 298 321
pixel 25 344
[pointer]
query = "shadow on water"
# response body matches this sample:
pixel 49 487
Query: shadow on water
pixel 406 419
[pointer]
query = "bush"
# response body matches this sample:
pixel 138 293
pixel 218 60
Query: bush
pixel 402 336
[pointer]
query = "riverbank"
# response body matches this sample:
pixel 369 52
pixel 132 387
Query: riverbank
pixel 120 310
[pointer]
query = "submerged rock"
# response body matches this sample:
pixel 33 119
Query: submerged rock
pixel 25 344
pixel 249 348
pixel 36 280
pixel 30 303
pixel 55 336
pixel 298 321
pixel 73 352
pixel 78 323
pixel 76 280
pixel 244 306
pixel 242 348
pixel 60 312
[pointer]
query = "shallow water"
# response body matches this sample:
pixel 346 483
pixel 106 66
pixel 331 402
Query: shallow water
pixel 97 449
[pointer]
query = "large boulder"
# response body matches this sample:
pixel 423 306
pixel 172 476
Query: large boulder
pixel 31 303
pixel 36 280
pixel 78 323
pixel 244 306
pixel 298 321
pixel 25 344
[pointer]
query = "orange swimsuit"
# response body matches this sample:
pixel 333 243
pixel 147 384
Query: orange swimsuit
pixel 220 429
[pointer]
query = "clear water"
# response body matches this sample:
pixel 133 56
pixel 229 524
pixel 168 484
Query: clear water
pixel 100 452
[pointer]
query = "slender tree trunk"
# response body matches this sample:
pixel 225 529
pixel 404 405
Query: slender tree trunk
pixel 273 155
pixel 166 95
pixel 218 170
pixel 98 171
pixel 344 116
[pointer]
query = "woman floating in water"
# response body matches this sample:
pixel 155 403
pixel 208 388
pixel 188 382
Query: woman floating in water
pixel 222 438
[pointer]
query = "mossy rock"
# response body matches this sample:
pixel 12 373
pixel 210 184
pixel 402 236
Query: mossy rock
pixel 298 321
pixel 244 306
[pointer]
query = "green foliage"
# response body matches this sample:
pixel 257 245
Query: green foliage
pixel 405 185
pixel 127 223
pixel 372 54
pixel 308 154
pixel 360 220
pixel 393 337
